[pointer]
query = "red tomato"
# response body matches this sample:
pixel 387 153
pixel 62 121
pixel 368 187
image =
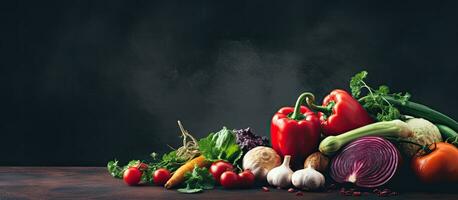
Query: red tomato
pixel 246 179
pixel 161 176
pixel 439 166
pixel 229 179
pixel 218 167
pixel 132 176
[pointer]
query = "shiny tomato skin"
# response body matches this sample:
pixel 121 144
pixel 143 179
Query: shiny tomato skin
pixel 218 167
pixel 132 176
pixel 161 176
pixel 439 166
pixel 229 180
pixel 246 179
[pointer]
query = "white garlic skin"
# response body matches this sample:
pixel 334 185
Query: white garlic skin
pixel 281 176
pixel 308 179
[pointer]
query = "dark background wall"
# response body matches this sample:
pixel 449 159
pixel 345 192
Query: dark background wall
pixel 87 81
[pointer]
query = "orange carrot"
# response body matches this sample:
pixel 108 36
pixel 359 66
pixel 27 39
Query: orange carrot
pixel 178 176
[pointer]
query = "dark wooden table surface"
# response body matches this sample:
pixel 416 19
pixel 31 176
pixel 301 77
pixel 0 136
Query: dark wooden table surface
pixel 96 183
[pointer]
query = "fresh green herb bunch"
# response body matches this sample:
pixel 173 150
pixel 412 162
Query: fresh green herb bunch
pixel 198 180
pixel 375 100
pixel 169 161
pixel 116 171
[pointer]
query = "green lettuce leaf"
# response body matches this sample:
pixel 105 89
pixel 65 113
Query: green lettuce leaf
pixel 221 146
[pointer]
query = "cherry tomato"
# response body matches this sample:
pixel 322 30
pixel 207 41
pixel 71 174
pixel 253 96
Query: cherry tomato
pixel 218 167
pixel 161 176
pixel 229 179
pixel 439 166
pixel 246 179
pixel 132 176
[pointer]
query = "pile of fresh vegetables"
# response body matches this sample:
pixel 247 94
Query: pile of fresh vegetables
pixel 360 138
pixel 197 165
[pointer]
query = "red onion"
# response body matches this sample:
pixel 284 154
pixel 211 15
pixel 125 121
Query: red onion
pixel 366 162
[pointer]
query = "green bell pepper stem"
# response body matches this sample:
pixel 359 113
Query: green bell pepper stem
pixel 306 96
pixel 327 110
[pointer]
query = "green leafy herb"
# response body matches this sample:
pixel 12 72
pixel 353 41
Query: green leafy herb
pixel 114 169
pixel 221 146
pixel 169 161
pixel 356 83
pixel 132 163
pixel 375 102
pixel 197 181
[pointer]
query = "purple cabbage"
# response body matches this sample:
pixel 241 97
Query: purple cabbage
pixel 247 140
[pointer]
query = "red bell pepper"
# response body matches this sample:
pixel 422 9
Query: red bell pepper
pixel 295 131
pixel 339 113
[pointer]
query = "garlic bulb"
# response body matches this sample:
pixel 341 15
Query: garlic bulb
pixel 307 179
pixel 281 176
pixel 260 160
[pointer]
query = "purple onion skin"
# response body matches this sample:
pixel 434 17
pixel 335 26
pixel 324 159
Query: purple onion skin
pixel 247 140
pixel 366 162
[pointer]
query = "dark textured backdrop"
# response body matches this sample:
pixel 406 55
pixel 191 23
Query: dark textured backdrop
pixel 86 81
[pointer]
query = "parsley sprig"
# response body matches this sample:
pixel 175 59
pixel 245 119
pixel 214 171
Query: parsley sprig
pixel 169 161
pixel 375 101
pixel 117 171
pixel 198 180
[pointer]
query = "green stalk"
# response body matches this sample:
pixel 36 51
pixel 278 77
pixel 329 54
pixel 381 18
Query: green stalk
pixel 297 115
pixel 419 110
pixel 448 134
pixel 396 128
